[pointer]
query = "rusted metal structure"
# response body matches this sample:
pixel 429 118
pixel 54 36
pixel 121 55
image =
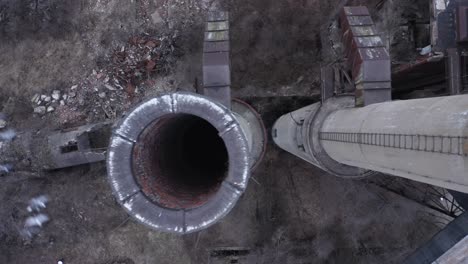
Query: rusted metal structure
pixel 178 163
pixel 367 56
pixel 216 62
pixel 389 137
pixel 445 69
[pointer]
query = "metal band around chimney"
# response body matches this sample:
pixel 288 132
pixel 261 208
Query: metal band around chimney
pixel 131 194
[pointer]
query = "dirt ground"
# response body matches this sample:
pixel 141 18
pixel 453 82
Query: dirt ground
pixel 291 213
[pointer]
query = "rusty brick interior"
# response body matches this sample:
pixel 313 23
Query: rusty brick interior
pixel 180 161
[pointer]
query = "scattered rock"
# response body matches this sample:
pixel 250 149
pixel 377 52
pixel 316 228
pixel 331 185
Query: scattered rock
pixel 43 97
pixel 65 97
pixel 109 87
pixel 37 204
pixel 38 220
pixel 300 79
pixel 72 95
pixel 56 94
pixel 40 110
pixel 62 102
pixel 36 98
pixel 7 135
pixel 50 109
pixel 5 168
pixel 74 87
pixel 47 99
pixel 3 123
pixel 102 95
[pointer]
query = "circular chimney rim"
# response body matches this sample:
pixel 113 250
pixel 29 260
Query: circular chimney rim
pixel 129 193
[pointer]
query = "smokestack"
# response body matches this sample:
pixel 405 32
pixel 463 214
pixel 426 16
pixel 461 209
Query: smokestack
pixel 425 140
pixel 179 163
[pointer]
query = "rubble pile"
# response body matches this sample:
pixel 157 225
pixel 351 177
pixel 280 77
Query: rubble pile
pixel 48 103
pixel 109 91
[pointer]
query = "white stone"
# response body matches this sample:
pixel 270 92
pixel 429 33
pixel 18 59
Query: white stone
pixel 102 95
pixel 50 109
pixel 109 87
pixel 65 97
pixel 56 94
pixel 72 95
pixel 3 123
pixel 74 87
pixel 36 98
pixel 40 110
pixel 47 99
pixel 62 102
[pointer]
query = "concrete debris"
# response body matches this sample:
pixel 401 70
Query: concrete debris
pixel 107 92
pixel 50 109
pixel 33 225
pixel 7 135
pixel 56 94
pixel 3 123
pixel 36 98
pixel 37 220
pixel 5 168
pixel 300 79
pixel 40 110
pixel 37 204
pixel 109 87
pixel 426 50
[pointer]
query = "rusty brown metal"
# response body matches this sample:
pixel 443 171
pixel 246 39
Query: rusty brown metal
pixel 367 56
pixel 196 175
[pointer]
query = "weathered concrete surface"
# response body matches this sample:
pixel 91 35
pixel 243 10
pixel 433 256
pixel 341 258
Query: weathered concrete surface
pixel 424 140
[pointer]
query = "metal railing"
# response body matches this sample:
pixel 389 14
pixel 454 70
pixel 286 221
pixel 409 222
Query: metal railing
pixel 450 145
